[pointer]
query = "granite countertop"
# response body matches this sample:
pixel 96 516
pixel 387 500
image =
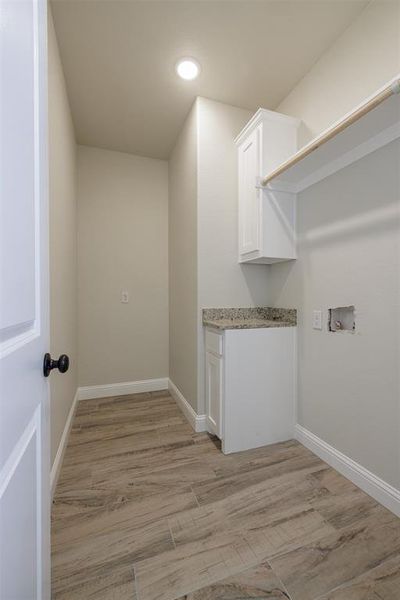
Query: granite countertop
pixel 249 318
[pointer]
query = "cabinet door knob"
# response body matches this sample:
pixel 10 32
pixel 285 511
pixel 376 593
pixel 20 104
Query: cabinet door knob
pixel 62 364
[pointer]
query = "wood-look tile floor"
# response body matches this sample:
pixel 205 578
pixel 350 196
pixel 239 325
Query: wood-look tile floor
pixel 146 509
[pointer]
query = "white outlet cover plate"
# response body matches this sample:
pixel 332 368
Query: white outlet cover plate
pixel 317 319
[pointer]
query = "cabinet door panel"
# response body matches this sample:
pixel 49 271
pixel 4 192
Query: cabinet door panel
pixel 249 195
pixel 214 393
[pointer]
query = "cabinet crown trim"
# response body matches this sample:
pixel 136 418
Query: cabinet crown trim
pixel 261 115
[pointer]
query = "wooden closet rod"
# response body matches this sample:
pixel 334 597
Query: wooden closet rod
pixel 393 88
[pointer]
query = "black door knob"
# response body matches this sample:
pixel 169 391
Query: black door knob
pixel 49 364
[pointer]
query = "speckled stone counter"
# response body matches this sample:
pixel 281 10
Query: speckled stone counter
pixel 249 318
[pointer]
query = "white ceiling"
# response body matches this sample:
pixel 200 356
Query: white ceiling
pixel 119 58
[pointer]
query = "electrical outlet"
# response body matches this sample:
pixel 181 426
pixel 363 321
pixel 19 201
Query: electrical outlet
pixel 124 297
pixel 317 319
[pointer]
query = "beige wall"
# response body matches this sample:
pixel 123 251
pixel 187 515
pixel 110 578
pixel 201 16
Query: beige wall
pixel 364 58
pixel 204 269
pixel 63 231
pixel 122 245
pixel 222 282
pixel 349 253
pixel 183 260
pixel 349 248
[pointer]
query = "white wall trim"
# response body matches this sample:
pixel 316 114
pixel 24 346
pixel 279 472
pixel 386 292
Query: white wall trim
pixel 198 422
pixel 121 389
pixel 55 469
pixel 381 491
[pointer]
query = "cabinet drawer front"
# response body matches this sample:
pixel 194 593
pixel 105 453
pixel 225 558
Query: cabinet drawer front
pixel 214 342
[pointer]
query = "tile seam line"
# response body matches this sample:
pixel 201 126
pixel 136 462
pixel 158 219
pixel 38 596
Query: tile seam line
pixel 344 584
pixel 171 534
pixel 136 587
pixel 195 497
pixel 280 580
pixel 250 565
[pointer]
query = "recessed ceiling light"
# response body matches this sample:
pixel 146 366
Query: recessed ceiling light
pixel 187 68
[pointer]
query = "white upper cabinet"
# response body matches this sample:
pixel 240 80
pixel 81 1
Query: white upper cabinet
pixel 249 195
pixel 266 216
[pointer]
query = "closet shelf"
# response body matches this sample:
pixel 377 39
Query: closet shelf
pixel 369 126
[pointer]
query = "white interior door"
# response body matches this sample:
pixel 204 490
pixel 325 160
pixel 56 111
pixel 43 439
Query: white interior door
pixel 24 411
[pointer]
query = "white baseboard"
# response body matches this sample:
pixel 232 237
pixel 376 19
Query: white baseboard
pixel 55 469
pixel 198 422
pixel 120 389
pixel 381 491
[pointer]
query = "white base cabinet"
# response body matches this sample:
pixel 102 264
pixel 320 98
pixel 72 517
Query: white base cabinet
pixel 250 386
pixel 214 393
